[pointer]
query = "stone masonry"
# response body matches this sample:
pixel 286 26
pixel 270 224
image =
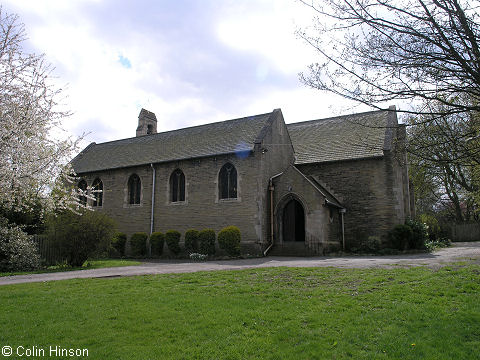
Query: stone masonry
pixel 331 177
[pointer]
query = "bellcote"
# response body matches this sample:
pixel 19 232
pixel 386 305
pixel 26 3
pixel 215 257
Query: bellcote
pixel 147 123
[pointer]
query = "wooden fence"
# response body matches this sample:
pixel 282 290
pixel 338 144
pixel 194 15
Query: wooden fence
pixel 465 232
pixel 49 254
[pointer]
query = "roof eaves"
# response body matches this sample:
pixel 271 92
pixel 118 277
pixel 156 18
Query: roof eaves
pixel 339 117
pixel 162 162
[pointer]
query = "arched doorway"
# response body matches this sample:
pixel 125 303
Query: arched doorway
pixel 293 222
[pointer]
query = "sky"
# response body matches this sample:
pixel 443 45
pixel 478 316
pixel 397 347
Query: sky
pixel 190 62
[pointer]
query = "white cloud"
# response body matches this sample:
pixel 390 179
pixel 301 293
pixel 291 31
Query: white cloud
pixel 240 59
pixel 269 33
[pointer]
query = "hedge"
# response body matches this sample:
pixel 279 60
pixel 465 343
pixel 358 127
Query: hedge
pixel 191 241
pixel 138 244
pixel 206 239
pixel 118 243
pixel 172 238
pixel 229 240
pixel 157 240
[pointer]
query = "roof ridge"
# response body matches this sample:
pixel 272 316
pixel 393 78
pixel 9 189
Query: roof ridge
pixel 337 117
pixel 185 128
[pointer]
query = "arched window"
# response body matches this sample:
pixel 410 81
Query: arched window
pixel 82 187
pixel 97 191
pixel 227 182
pixel 177 186
pixel 134 189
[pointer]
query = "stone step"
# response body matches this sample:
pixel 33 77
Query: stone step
pixel 289 249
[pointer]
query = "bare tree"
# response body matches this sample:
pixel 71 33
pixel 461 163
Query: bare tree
pixel 31 160
pixel 378 51
pixel 444 154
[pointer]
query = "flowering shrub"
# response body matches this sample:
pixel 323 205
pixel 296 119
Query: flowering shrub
pixel 198 257
pixel 419 234
pixel 435 244
pixel 17 250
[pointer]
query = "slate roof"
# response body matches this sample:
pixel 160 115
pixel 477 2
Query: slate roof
pixel 205 140
pixel 349 137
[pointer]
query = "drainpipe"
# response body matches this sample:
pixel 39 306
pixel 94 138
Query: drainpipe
pixel 271 188
pixel 153 206
pixel 342 212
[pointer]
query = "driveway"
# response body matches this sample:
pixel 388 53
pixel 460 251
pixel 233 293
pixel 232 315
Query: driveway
pixel 458 252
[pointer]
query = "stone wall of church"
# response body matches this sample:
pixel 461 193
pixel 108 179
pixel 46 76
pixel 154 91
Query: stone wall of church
pixel 370 189
pixel 202 207
pixel 129 218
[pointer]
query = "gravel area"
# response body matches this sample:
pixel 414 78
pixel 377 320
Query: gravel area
pixel 469 252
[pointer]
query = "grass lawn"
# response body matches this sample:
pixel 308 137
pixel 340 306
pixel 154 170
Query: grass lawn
pixel 275 313
pixel 89 264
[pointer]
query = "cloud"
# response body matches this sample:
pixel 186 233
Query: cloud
pixel 190 62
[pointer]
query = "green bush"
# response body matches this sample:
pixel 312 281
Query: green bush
pixel 172 238
pixel 434 230
pixel 229 240
pixel 206 239
pixel 157 239
pixel 138 244
pixel 371 244
pixel 118 243
pixel 400 236
pixel 80 236
pixel 17 250
pixel 419 234
pixel 191 241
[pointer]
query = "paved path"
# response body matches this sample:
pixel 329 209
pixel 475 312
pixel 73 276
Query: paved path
pixel 458 252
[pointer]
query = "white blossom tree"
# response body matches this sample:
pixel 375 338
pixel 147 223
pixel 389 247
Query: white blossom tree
pixel 32 161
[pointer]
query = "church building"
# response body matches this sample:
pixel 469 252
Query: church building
pixel 304 188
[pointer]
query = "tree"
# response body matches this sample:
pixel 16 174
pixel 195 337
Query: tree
pixel 426 53
pixel 445 163
pixel 32 162
pixel 378 51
